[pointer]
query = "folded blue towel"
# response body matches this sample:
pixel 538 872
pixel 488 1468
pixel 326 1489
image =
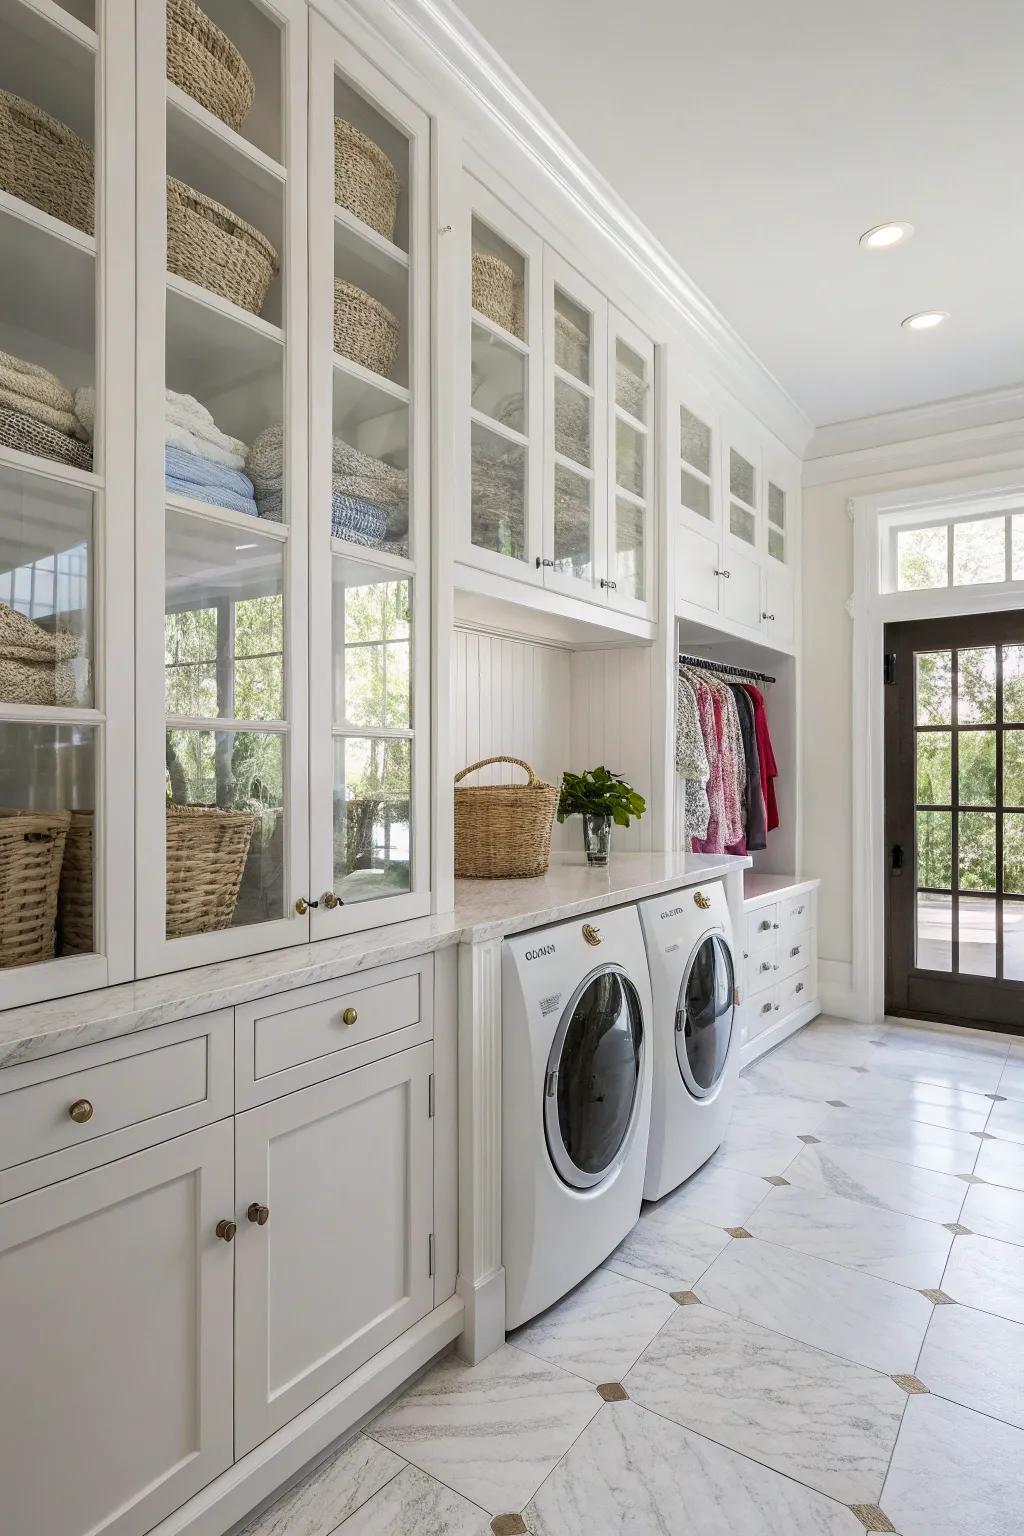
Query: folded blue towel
pixel 180 465
pixel 357 520
pixel 214 495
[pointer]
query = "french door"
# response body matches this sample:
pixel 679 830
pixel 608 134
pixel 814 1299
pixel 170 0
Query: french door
pixel 954 792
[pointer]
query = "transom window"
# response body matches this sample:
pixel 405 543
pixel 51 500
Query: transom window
pixel 985 549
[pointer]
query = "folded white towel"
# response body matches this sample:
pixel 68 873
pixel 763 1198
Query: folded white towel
pixel 188 412
pixel 214 445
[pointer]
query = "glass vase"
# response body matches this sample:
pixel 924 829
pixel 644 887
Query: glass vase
pixel 597 837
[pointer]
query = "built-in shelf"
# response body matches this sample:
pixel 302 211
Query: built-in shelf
pixel 50 469
pixel 232 315
pixel 630 420
pixel 499 332
pixel 350 232
pixel 360 395
pixel 49 58
pixel 208 155
pixel 373 556
pixel 227 516
pixel 490 424
pixel 630 496
pixel 573 467
pixel 47 292
pixel 573 382
pixel 49 714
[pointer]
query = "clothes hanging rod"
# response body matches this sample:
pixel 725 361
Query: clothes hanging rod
pixel 723 667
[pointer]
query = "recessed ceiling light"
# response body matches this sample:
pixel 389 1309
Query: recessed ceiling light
pixel 884 236
pixel 927 320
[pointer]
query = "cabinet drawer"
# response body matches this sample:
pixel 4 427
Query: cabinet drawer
pixel 762 926
pixel 303 1037
pixel 796 954
pixel 73 1111
pixel 762 971
pixel 798 913
pixel 795 992
pixel 761 1011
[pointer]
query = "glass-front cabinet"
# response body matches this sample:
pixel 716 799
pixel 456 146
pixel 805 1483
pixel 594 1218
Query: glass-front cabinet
pixel 629 579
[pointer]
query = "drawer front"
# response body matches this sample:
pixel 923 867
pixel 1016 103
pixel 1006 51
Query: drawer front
pixel 762 970
pixel 798 914
pixel 762 927
pixel 796 992
pixel 76 1110
pixel 796 954
pixel 762 1010
pixel 314 1033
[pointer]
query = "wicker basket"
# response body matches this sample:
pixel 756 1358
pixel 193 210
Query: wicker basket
pixel 630 391
pixel 364 329
pixel 572 347
pixel 498 292
pixel 31 436
pixel 76 887
pixel 206 64
pixel 45 164
pixel 503 831
pixel 31 853
pixel 40 666
pixel 213 247
pixel 206 853
pixel 365 181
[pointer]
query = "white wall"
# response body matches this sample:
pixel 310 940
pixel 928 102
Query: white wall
pixel 827 729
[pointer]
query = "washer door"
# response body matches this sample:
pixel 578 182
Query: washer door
pixel 592 1084
pixel 704 1015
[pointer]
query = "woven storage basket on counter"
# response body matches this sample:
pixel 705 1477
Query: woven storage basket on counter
pixel 206 853
pixel 205 63
pixel 31 854
pixel 498 292
pixel 213 247
pixel 365 181
pixel 364 329
pixel 45 164
pixel 76 887
pixel 503 831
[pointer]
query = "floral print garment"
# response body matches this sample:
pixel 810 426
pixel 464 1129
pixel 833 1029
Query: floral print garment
pixel 692 761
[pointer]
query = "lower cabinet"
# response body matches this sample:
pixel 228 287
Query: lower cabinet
pixel 334 1253
pixel 780 961
pixel 115 1341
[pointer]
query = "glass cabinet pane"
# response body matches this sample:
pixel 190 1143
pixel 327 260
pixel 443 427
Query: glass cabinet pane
pixel 372 817
pixel 630 382
pixel 630 549
pixel 776 521
pixel 742 478
pixel 574 554
pixel 499 281
pixel 742 523
pixel 694 441
pixel 498 496
pixel 572 423
pixel 630 447
pixel 499 380
pixel 573 333
pixel 372 647
pixel 695 494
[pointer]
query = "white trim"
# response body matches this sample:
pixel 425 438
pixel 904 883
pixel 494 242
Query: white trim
pixel 1000 438
pixel 988 408
pixel 836 990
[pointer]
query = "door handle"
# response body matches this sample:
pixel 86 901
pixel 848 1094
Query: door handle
pixel 897 859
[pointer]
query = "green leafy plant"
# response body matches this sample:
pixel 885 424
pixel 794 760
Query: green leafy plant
pixel 599 792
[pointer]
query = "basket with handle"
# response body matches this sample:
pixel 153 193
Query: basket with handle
pixel 206 853
pixel 31 855
pixel 503 831
pixel 44 163
pixel 205 63
pixel 211 246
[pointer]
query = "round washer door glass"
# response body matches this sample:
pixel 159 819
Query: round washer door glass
pixel 704 1015
pixel 593 1078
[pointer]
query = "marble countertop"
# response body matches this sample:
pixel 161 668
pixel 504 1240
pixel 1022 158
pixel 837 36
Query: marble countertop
pixel 756 887
pixel 484 909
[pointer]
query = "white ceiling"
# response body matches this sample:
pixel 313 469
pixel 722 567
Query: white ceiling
pixel 757 139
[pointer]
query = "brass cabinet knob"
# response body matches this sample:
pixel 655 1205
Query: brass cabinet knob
pixel 330 901
pixel 260 1214
pixel 349 1016
pixel 701 900
pixel 226 1231
pixel 302 906
pixel 80 1111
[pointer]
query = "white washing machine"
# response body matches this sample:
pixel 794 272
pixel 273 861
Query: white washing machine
pixel 576 1101
pixel 688 934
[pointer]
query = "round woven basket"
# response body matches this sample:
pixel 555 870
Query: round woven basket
pixel 31 854
pixel 76 887
pixel 497 292
pixel 45 164
pixel 572 347
pixel 365 181
pixel 205 63
pixel 31 436
pixel 503 831
pixel 213 247
pixel 364 329
pixel 206 853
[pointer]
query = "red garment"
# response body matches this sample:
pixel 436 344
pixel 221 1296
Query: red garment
pixel 769 767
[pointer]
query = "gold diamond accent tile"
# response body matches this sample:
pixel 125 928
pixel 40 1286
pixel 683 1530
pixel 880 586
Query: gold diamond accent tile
pixel 738 1232
pixel 837 1103
pixel 685 1298
pixel 775 1178
pixel 939 1298
pixel 613 1392
pixel 997 1098
pixel 911 1384
pixel 515 1525
pixel 957 1228
pixel 871 1517
pixel 811 1141
pixel 968 1178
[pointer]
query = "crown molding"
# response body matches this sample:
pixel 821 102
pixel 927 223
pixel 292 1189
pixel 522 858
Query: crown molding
pixel 442 46
pixel 1000 444
pixel 993 407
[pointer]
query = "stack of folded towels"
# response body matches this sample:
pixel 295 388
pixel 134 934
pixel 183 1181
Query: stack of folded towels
pixel 369 497
pixel 37 414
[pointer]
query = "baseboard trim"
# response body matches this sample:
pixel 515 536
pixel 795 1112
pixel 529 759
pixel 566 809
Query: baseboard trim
pixel 484 1322
pixel 774 1035
pixel 250 1482
pixel 838 994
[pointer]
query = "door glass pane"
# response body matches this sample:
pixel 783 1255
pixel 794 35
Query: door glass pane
pixel 1013 853
pixel 630 535
pixel 629 458
pixel 922 558
pixel 573 548
pixel 741 523
pixel 498 387
pixel 223 621
pixel 572 423
pixel 46 621
pixel 934 932
pixel 694 441
pixel 704 1014
pixel 977 751
pixel 1013 940
pixel 976 930
pixel 372 641
pixel 598 1071
pixel 499 280
pixel 933 767
pixel 630 381
pixel 573 327
pixel 1013 682
pixel 935 849
pixel 372 796
pixel 498 494
pixel 776 544
pixel 1013 768
pixel 742 478
pixel 934 696
pixel 977 862
pixel 226 851
pixel 694 494
pixel 976 689
pixel 979 551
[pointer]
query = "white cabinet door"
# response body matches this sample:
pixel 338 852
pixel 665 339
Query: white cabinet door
pixel 697 569
pixel 777 615
pixel 115 1382
pixel 342 1264
pixel 741 590
pixel 629 583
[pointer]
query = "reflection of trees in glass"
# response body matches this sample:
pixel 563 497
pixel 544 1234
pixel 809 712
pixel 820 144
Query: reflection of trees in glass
pixel 248 638
pixel 935 849
pixel 934 687
pixel 236 770
pixel 934 757
pixel 977 863
pixel 371 808
pixel 376 630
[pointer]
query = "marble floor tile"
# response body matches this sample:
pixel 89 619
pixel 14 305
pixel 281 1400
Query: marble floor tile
pixel 900 1139
pixel 1011 1083
pixel 826 1422
pixel 869 1321
pixel 813 1080
pixel 635 1474
pixel 335 1488
pixel 961 1069
pixel 761 1154
pixel 829 1045
pixel 1007 1120
pixel 886 1244
pixel 878 1181
pixel 754 1110
pixel 492 1431
pixel 1002 1162
pixel 985 1273
pixel 946 1038
pixel 600 1329
pixel 995 1212
pixel 716 1194
pixel 930 1102
pixel 415 1502
pixel 976 1360
pixel 667 1249
pixel 954 1473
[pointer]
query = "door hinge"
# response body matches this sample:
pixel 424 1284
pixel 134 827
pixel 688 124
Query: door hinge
pixel 430 1097
pixel 897 859
pixel 889 668
pixel 430 1254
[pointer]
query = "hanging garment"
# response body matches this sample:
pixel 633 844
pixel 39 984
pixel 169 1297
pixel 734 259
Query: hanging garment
pixel 692 762
pixel 766 757
pixel 734 774
pixel 755 816
pixel 711 842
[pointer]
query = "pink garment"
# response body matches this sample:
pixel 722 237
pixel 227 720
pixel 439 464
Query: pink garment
pixel 709 716
pixel 723 742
